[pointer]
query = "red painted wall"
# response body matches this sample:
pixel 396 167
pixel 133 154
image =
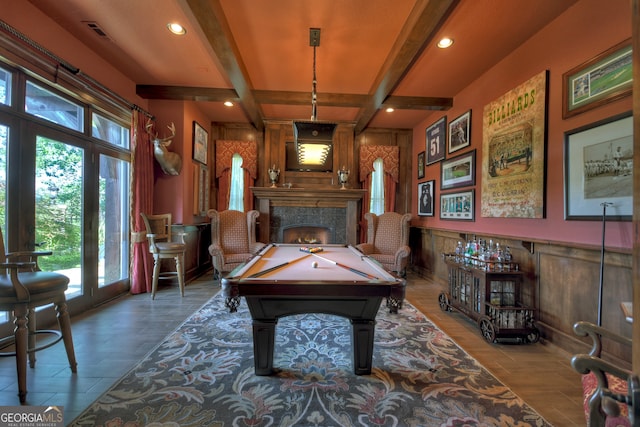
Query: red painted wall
pixel 582 32
pixel 176 194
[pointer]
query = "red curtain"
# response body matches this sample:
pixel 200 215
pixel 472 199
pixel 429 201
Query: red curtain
pixel 225 150
pixel 141 201
pixel 390 158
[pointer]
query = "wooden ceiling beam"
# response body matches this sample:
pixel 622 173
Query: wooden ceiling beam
pixel 189 93
pixel 214 25
pixel 423 23
pixel 417 103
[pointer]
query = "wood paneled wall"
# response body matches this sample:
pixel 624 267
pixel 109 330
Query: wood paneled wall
pixel 561 281
pixel 271 151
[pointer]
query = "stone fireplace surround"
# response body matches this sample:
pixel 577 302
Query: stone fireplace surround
pixel 331 208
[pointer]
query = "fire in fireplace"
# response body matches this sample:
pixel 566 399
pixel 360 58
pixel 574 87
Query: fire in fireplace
pixel 306 234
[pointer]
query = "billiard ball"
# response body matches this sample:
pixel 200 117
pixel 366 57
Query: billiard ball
pixel 314 264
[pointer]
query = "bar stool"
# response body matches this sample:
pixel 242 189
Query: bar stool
pixel 23 287
pixel 161 246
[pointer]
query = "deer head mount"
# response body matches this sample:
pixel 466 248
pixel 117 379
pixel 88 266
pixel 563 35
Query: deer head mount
pixel 171 163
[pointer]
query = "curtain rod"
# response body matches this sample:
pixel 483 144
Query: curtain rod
pixel 71 69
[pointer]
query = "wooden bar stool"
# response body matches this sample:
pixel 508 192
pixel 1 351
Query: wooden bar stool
pixel 161 246
pixel 23 287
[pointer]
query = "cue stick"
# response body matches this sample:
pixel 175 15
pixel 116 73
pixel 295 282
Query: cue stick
pixel 274 268
pixel 362 273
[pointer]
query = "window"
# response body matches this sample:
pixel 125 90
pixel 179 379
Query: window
pixel 5 87
pixel 60 208
pixel 236 196
pixel 377 188
pixel 108 130
pixel 47 105
pixel 113 230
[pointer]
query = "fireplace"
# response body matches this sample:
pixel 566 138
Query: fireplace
pixel 307 235
pixel 332 209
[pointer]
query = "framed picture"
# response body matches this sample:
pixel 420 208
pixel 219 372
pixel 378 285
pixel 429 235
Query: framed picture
pixel 459 206
pixel 599 170
pixel 200 143
pixel 458 171
pixel 513 165
pixel 460 132
pixel 436 135
pixel 601 80
pixel 426 191
pixel 421 165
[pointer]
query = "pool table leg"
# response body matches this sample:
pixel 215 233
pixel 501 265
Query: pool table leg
pixel 264 332
pixel 363 334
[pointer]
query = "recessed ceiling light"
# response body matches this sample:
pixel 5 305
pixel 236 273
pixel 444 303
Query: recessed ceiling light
pixel 176 28
pixel 445 42
pixel 389 110
pixel 228 104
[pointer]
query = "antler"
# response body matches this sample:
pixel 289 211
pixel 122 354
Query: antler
pixel 172 130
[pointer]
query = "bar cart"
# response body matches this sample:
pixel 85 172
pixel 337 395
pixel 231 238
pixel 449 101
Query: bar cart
pixel 489 294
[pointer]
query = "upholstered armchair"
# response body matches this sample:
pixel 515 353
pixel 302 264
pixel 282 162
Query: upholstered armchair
pixel 233 239
pixel 388 240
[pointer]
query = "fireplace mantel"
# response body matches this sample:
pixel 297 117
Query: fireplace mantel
pixel 270 197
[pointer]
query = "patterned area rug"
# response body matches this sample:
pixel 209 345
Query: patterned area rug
pixel 202 375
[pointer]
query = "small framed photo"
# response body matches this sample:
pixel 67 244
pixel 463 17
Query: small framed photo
pixel 436 139
pixel 458 171
pixel 600 80
pixel 458 206
pixel 421 165
pixel 426 193
pixel 200 143
pixel 460 132
pixel 599 170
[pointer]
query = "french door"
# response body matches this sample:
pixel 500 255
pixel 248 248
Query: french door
pixel 67 194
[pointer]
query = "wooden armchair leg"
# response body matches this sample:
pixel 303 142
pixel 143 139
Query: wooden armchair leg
pixel 64 320
pixel 21 335
pixel 31 325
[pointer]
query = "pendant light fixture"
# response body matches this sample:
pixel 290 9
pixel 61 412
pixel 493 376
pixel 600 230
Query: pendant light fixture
pixel 313 139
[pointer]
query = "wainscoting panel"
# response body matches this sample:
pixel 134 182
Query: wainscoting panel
pixel 561 281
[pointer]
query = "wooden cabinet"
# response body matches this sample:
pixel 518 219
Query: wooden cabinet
pixel 490 296
pixel 197 259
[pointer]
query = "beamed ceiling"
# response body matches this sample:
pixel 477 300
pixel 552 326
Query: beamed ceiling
pixel 373 54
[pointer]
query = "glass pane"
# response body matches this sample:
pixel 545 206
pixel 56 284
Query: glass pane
pixel 107 130
pixel 59 208
pixel 113 233
pixel 47 105
pixel 5 87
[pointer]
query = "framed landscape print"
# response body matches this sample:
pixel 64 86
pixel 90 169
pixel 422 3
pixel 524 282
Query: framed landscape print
pixel 459 206
pixel 200 143
pixel 436 139
pixel 599 170
pixel 600 80
pixel 460 132
pixel 458 171
pixel 426 193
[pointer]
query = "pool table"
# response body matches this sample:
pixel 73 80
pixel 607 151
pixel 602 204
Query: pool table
pixel 283 279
